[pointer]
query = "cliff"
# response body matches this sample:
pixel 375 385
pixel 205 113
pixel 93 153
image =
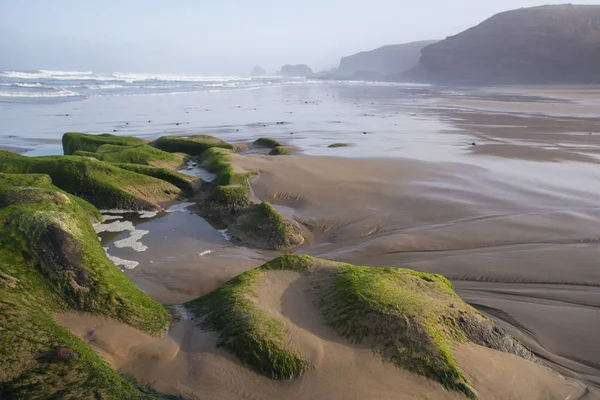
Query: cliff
pixel 384 60
pixel 540 45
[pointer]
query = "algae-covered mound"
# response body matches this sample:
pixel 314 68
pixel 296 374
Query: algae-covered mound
pixel 266 142
pixel 74 141
pixel 193 145
pixel 228 202
pixel 187 183
pixel 281 150
pixel 411 319
pixel 335 145
pixel 52 262
pixel 104 185
pixel 263 226
pixel 140 154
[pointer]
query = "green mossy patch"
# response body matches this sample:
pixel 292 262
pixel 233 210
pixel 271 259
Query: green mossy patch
pixel 102 184
pixel 263 226
pixel 189 184
pixel 228 202
pixel 281 150
pixel 334 145
pixel 245 330
pixel 51 262
pixel 192 145
pixel 411 319
pixel 75 141
pixel 266 142
pixel 141 154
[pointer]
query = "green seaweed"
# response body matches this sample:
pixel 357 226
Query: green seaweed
pixel 245 330
pixel 228 202
pixel 411 319
pixel 52 262
pixel 187 183
pixel 192 145
pixel 74 141
pixel 266 142
pixel 140 154
pixel 102 184
pixel 281 150
pixel 334 145
pixel 263 226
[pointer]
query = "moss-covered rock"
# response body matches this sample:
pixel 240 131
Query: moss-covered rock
pixel 102 184
pixel 281 150
pixel 228 202
pixel 263 226
pixel 189 184
pixel 51 262
pixel 334 145
pixel 266 142
pixel 411 319
pixel 191 145
pixel 141 154
pixel 75 141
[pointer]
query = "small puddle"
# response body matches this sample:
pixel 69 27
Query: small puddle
pixel 193 169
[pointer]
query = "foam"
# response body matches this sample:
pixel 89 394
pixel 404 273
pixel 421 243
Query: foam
pixel 116 226
pixel 181 207
pixel 60 93
pixel 133 241
pixel 225 234
pixel 203 253
pixel 111 217
pixel 120 262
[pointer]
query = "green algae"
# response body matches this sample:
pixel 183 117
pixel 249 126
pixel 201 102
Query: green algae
pixel 411 319
pixel 334 145
pixel 140 154
pixel 228 202
pixel 187 183
pixel 193 145
pixel 52 262
pixel 266 142
pixel 102 184
pixel 281 150
pixel 75 141
pixel 245 330
pixel 263 226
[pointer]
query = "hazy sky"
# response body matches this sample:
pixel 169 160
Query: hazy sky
pixel 221 36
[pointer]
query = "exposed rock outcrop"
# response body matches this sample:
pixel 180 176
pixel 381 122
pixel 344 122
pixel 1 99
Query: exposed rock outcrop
pixel 300 70
pixel 540 45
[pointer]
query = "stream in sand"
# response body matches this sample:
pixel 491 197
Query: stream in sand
pixel 513 221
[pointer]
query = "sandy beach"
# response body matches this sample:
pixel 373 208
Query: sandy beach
pixel 494 189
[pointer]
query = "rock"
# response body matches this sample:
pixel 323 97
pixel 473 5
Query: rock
pixel 258 71
pixel 300 70
pixel 192 145
pixel 385 60
pixel 540 45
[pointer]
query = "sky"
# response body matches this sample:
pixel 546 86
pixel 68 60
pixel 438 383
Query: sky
pixel 220 37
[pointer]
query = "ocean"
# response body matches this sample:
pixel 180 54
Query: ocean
pixel 37 107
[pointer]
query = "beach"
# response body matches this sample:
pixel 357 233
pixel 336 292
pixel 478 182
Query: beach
pixel 496 189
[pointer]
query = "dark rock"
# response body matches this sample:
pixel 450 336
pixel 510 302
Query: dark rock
pixel 300 70
pixel 557 44
pixel 59 354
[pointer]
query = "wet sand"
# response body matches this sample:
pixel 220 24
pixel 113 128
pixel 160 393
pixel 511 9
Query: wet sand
pixel 512 221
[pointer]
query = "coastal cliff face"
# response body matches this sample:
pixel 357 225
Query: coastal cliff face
pixel 384 60
pixel 540 45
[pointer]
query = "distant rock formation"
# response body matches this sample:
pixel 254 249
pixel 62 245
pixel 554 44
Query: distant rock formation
pixel 258 71
pixel 385 60
pixel 301 70
pixel 540 45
